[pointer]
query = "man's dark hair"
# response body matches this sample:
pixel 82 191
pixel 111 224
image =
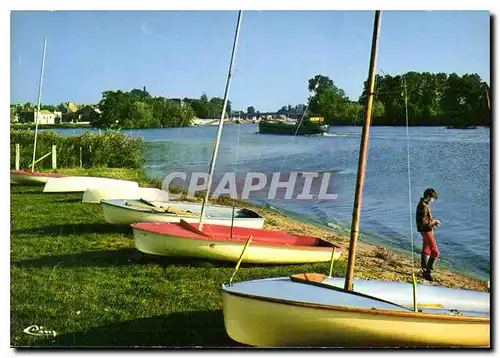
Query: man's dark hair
pixel 430 192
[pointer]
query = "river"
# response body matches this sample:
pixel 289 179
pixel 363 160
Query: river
pixel 454 162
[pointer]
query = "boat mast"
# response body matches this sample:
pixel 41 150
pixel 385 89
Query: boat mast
pixel 487 98
pixel 37 113
pixel 221 123
pixel 362 156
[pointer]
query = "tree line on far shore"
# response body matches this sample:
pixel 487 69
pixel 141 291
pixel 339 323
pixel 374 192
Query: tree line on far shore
pixel 433 100
pixel 138 109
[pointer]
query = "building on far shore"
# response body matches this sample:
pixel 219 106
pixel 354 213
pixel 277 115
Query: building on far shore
pixel 57 117
pixel 44 117
pixel 88 112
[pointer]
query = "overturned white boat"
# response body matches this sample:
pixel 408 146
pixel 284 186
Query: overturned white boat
pixel 125 211
pixel 31 178
pixel 95 195
pixel 80 184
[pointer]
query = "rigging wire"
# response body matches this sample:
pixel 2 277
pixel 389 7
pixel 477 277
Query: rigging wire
pixel 409 172
pixel 300 122
pixel 235 170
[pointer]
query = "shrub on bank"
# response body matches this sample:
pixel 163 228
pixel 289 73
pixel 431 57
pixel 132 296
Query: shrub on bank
pixel 109 149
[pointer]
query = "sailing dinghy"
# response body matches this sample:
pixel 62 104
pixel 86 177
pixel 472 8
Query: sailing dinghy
pixel 283 312
pixel 225 242
pixel 96 195
pixel 310 310
pixel 217 242
pixel 82 183
pixel 123 211
pixel 31 178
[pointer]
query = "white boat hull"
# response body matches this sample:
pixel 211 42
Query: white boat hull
pixel 95 195
pixel 80 184
pixel 120 214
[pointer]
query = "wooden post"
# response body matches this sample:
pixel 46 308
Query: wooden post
pixel 54 157
pixel 18 156
pixel 81 165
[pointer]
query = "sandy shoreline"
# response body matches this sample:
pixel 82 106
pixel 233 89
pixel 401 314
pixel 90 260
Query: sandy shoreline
pixel 372 261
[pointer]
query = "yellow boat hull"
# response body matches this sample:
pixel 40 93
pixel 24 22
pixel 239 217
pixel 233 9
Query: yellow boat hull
pixel 158 244
pixel 265 323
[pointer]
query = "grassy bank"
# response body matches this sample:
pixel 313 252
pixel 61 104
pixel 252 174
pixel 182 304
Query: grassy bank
pixel 74 274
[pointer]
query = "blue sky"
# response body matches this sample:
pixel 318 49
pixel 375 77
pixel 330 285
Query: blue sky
pixel 183 54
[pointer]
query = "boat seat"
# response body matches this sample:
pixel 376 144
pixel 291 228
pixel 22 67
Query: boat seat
pixel 308 277
pixel 192 227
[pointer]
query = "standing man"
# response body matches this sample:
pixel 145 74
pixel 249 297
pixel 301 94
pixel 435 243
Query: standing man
pixel 425 226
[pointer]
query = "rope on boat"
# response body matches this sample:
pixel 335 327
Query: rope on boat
pixel 414 280
pixel 334 251
pixel 240 259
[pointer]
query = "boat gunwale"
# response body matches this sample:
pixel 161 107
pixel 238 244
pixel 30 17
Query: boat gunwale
pixel 373 311
pixel 131 208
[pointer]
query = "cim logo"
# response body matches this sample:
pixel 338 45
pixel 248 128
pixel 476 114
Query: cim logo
pixel 34 330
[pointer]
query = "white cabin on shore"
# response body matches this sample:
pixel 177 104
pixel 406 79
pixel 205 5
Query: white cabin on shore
pixel 44 117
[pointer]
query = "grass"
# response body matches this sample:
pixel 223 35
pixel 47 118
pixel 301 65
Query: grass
pixel 74 274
